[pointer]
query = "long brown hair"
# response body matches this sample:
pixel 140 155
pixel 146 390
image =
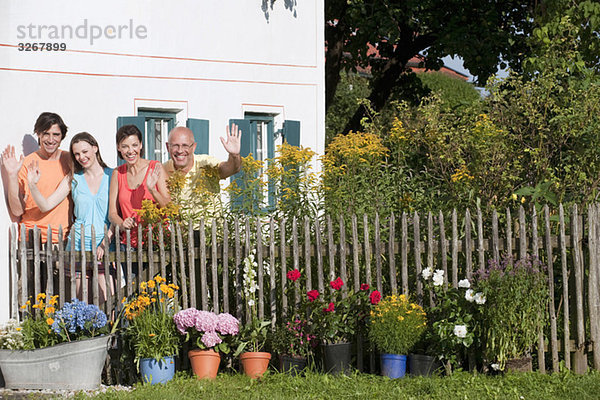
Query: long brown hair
pixel 85 137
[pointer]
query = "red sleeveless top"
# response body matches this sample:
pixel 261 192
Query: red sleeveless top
pixel 131 199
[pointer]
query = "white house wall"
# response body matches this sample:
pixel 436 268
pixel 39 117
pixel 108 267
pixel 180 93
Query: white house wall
pixel 212 59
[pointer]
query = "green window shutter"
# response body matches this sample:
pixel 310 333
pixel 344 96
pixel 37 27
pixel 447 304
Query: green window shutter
pixel 200 128
pixel 291 132
pixel 247 146
pixel 248 142
pixel 140 122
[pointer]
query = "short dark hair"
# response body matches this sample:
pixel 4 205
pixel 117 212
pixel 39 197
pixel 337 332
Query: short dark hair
pixel 45 122
pixel 124 132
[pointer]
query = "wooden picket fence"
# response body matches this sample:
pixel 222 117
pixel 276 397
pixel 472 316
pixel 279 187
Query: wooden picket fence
pixel 387 254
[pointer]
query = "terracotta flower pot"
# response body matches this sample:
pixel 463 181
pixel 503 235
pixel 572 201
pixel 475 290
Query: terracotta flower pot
pixel 205 363
pixel 255 363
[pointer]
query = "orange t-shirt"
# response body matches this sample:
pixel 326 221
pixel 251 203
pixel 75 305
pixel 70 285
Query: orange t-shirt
pixel 52 173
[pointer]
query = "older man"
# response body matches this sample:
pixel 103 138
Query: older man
pixel 202 172
pixel 54 166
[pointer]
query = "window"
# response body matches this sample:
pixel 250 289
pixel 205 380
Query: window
pixel 158 125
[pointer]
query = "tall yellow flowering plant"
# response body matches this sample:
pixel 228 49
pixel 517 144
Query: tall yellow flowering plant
pixel 151 330
pixel 396 324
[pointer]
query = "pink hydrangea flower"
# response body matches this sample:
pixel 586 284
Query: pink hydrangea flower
pixel 206 321
pixel 185 319
pixel 211 339
pixel 227 324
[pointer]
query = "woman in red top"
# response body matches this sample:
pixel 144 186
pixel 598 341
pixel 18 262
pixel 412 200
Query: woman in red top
pixel 136 180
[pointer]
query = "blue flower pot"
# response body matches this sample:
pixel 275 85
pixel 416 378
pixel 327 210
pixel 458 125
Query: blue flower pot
pixel 393 365
pixel 154 372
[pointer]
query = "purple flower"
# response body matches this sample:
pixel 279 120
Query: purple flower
pixel 206 321
pixel 227 324
pixel 211 339
pixel 185 319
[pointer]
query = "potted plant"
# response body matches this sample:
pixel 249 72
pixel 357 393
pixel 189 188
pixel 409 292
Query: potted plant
pixel 294 343
pixel 454 320
pixel 253 334
pixel 151 330
pixel 211 334
pixel 337 317
pixel 517 295
pixel 395 326
pixel 56 349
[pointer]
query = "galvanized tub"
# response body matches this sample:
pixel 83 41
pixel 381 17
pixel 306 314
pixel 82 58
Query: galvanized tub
pixel 72 366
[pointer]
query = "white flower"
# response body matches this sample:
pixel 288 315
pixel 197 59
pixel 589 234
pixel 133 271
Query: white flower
pixel 250 302
pixel 464 283
pixel 470 295
pixel 438 277
pixel 426 273
pixel 253 287
pixel 479 298
pixel 460 331
pixel 495 366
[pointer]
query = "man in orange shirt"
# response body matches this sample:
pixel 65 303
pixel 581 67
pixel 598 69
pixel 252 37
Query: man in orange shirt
pixel 54 166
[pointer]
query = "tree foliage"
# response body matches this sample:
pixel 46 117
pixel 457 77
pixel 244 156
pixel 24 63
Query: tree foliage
pixel 481 32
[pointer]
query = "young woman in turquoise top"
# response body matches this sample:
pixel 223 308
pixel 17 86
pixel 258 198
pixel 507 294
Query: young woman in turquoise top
pixel 90 191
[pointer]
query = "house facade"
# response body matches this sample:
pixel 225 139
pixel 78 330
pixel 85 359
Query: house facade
pixel 201 64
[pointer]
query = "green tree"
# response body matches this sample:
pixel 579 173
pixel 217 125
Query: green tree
pixel 479 31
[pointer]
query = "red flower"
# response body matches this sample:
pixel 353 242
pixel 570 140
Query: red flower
pixel 364 287
pixel 330 308
pixel 312 295
pixel 337 284
pixel 293 275
pixel 375 297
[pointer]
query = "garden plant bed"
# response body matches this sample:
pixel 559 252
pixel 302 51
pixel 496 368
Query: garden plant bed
pixel 460 385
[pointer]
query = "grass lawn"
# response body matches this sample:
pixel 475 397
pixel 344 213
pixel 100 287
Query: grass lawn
pixel 362 386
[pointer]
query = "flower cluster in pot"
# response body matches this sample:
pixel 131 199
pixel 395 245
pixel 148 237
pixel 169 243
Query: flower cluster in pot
pixel 43 325
pixel 254 333
pixel 207 330
pixel 396 325
pixel 517 293
pixel 454 318
pixel 337 316
pixel 150 328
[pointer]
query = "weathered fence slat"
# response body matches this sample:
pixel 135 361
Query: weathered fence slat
pixel 355 251
pixel 580 358
pixel 237 277
pixel 536 255
pixel 565 276
pixel 418 268
pixel 319 249
pixel 272 281
pixel 403 255
pixel 61 265
pixel 468 246
pixel 49 264
pixel 225 268
pixel 191 264
pixel 182 273
pixel 343 271
pixel 259 259
pixel 203 277
pixel 591 287
pixel 283 258
pixel 443 248
pixel 367 246
pixel 378 274
pixel 14 286
pixel 307 255
pixel 454 249
pixel 214 270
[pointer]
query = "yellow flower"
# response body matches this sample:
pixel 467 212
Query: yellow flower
pixel 49 310
pixel 522 200
pixel 143 285
pixel 53 300
pixel 164 288
pixel 151 284
pixel 124 300
pixel 514 197
pixel 400 318
pixel 40 296
pixel 152 334
pixel 24 306
pixel 49 321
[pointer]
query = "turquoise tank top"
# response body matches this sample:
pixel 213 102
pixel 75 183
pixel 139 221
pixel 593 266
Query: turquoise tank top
pixel 90 209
